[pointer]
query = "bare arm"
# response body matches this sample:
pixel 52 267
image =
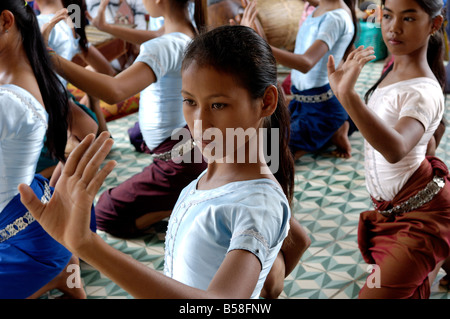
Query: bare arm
pixel 66 217
pixel 109 89
pixel 236 278
pixel 301 62
pixel 394 143
pixel 97 61
pixel 127 34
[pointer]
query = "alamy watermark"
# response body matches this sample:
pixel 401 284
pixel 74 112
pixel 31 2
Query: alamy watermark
pixel 236 145
pixel 374 279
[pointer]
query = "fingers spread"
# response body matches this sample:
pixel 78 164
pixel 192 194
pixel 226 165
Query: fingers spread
pixel 75 156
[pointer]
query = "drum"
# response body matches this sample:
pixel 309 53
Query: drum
pixel 277 20
pixel 280 20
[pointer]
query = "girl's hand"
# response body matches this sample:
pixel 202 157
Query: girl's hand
pixel 99 21
pixel 66 217
pixel 343 79
pixel 249 18
pixel 47 28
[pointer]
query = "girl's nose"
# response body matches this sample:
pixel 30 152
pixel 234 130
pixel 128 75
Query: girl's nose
pixel 395 26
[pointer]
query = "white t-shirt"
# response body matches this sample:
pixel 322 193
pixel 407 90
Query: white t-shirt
pixel 161 103
pixel 205 225
pixel 336 29
pixel 23 124
pixel 419 98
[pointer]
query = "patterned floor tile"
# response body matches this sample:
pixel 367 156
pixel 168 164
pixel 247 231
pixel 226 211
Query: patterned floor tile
pixel 329 195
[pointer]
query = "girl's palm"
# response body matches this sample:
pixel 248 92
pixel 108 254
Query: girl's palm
pixel 66 217
pixel 343 79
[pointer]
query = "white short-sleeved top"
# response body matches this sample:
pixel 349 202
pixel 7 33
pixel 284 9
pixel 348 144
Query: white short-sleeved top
pixel 23 124
pixel 161 103
pixel 336 29
pixel 418 98
pixel 205 225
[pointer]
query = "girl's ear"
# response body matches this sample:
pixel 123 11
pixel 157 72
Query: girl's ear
pixel 6 21
pixel 437 23
pixel 270 101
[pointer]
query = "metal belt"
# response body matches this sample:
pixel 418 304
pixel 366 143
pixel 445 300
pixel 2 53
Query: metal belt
pixel 175 152
pixel 421 198
pixel 22 222
pixel 314 98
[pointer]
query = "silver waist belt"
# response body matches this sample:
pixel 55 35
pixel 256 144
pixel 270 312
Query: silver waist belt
pixel 314 98
pixel 22 222
pixel 421 198
pixel 175 152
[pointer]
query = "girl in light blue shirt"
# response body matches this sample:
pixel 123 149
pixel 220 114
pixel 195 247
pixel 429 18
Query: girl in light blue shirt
pixel 229 225
pixel 317 118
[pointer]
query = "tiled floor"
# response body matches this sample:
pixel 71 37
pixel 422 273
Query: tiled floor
pixel 329 195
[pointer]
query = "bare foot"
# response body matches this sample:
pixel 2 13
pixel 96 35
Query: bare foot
pixel 61 281
pixel 341 141
pixel 299 154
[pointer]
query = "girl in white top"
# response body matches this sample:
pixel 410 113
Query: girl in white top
pixel 32 105
pixel 408 233
pixel 229 225
pixel 156 76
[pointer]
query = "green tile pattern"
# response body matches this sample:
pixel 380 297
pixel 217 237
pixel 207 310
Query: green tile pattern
pixel 329 195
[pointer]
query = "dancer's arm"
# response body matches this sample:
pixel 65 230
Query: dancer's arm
pixel 394 143
pixel 66 217
pixel 127 34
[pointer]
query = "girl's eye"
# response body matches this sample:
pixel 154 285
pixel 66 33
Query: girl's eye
pixel 188 102
pixel 386 16
pixel 218 106
pixel 409 19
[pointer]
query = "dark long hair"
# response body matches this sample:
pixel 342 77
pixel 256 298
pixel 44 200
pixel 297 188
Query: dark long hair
pixel 242 53
pixel 51 89
pixel 80 30
pixel 200 13
pixel 435 52
pixel 351 5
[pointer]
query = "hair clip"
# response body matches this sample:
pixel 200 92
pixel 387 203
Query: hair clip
pixel 26 3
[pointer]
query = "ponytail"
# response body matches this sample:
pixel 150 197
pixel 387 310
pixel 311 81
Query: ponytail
pixel 435 56
pixel 201 15
pixel 280 119
pixel 80 30
pixel 51 89
pixel 351 4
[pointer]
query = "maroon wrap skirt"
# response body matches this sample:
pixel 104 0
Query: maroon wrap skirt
pixel 407 247
pixel 155 189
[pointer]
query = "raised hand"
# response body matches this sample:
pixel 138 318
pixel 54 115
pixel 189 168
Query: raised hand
pixel 99 21
pixel 66 217
pixel 343 79
pixel 47 28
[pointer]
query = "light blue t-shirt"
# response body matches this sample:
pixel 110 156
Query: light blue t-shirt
pixel 23 124
pixel 61 39
pixel 205 225
pixel 336 29
pixel 161 103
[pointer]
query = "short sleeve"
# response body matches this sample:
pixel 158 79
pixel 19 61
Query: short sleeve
pixel 259 229
pixel 163 54
pixel 11 113
pixel 331 29
pixel 422 107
